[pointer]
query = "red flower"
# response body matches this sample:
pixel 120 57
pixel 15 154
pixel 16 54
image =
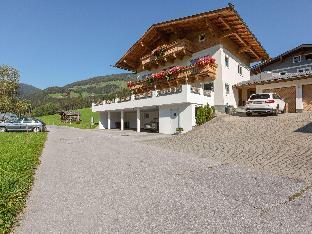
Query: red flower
pixel 204 61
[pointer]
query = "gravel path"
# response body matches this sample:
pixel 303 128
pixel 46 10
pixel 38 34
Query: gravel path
pixel 92 181
pixel 281 145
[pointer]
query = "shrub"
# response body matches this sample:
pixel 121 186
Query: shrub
pixel 203 114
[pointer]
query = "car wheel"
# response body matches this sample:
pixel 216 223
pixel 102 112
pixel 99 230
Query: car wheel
pixel 276 111
pixel 36 129
pixel 2 129
pixel 248 114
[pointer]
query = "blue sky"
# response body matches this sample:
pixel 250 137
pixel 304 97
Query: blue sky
pixel 55 42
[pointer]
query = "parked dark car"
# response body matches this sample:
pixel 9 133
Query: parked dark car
pixel 24 124
pixel 152 126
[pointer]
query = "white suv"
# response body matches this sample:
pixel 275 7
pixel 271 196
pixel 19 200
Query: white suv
pixel 270 103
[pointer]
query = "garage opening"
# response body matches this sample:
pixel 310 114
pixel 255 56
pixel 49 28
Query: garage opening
pixel 288 94
pixel 307 97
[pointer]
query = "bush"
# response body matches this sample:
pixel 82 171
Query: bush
pixel 203 114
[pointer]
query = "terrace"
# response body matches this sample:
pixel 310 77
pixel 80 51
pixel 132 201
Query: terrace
pixel 173 85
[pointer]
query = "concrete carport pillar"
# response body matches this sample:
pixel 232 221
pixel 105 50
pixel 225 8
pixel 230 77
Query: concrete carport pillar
pixel 108 120
pixel 122 120
pixel 138 120
pixel 299 102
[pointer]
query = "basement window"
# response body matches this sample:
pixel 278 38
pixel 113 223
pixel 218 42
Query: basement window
pixel 202 37
pixel 208 86
pixel 297 59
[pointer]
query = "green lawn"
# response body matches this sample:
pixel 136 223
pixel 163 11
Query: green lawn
pixel 86 115
pixel 19 157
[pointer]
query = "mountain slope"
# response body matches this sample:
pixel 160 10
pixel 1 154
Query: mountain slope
pixel 79 94
pixel 26 90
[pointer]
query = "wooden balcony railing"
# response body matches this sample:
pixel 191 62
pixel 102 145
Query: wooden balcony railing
pixel 185 75
pixel 167 53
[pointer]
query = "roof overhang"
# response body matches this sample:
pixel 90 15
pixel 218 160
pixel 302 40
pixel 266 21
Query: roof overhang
pixel 223 23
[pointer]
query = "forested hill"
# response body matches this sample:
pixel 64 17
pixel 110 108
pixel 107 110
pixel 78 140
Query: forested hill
pixel 78 94
pixel 26 90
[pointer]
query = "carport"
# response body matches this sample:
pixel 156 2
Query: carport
pixel 294 88
pixel 134 119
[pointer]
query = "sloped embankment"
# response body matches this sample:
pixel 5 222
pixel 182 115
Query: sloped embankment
pixel 279 145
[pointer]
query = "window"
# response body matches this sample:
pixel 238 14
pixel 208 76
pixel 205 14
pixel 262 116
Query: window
pixel 304 69
pixel 208 86
pixel 283 73
pixel 146 115
pixel 260 96
pixel 308 56
pixel 297 59
pixel 202 37
pixel 227 88
pixel 227 62
pixel 26 120
pixel 275 96
pixel 240 69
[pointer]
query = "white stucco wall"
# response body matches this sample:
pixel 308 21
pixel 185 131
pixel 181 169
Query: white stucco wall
pixel 168 122
pixel 231 76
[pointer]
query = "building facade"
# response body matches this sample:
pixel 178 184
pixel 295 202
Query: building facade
pixel 288 74
pixel 182 64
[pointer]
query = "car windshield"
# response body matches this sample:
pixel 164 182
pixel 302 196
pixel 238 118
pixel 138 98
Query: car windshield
pixel 260 96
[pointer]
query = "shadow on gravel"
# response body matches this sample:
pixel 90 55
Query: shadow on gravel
pixel 305 129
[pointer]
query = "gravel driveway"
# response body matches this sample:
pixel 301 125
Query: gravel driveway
pixel 93 181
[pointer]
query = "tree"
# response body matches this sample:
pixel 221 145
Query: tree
pixel 9 84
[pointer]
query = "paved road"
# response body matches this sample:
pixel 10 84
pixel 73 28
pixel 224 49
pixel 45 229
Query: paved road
pixel 92 181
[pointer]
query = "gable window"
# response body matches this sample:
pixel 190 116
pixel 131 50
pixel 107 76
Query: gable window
pixel 308 56
pixel 297 59
pixel 227 88
pixel 240 69
pixel 202 37
pixel 227 61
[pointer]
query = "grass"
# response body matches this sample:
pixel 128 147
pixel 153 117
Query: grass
pixel 19 158
pixel 86 115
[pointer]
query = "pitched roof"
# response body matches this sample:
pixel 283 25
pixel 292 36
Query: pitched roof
pixel 225 20
pixel 258 68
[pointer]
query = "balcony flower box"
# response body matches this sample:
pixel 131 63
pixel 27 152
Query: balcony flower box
pixel 167 53
pixel 203 69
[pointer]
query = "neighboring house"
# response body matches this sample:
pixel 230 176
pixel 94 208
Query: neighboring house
pixel 181 64
pixel 288 74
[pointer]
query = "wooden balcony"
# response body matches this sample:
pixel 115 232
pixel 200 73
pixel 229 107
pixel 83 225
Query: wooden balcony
pixel 187 75
pixel 167 53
